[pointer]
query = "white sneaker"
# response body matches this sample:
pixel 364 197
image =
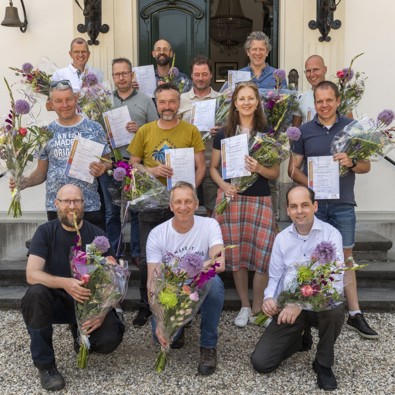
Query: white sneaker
pixel 242 318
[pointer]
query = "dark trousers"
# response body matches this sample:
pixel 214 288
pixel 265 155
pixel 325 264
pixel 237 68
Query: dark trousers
pixel 94 217
pixel 42 307
pixel 148 220
pixel 279 342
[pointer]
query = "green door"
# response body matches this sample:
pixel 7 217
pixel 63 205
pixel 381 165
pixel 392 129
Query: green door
pixel 184 23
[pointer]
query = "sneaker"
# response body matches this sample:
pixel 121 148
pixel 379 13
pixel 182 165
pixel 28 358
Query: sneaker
pixel 51 379
pixel 242 318
pixel 207 361
pixel 358 323
pixel 142 317
pixel 178 343
pixel 326 380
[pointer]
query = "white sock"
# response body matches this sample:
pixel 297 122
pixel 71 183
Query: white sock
pixel 354 313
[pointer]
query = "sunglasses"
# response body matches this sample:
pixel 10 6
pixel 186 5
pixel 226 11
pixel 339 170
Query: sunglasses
pixel 55 84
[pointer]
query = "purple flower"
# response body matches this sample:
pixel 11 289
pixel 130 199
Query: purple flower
pixel 27 67
pixel 194 296
pixel 279 75
pixel 101 243
pixel 206 276
pixel 348 73
pixel 386 117
pixel 192 264
pixel 325 252
pixel 119 174
pixel 90 79
pixel 293 133
pixel 22 107
pixel 173 73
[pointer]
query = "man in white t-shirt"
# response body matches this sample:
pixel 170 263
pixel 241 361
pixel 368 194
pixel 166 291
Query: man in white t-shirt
pixel 186 233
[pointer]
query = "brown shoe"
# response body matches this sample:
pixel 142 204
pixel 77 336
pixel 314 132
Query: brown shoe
pixel 208 361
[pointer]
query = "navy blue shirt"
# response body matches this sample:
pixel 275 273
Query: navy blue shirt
pixel 266 80
pixel 316 140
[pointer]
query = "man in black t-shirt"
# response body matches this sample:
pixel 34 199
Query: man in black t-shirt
pixel 52 292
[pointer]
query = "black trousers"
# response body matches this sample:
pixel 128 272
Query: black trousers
pixel 279 342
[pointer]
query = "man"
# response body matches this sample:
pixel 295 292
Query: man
pixel 79 53
pixel 53 160
pixel 202 73
pixel 52 292
pixel 151 139
pixel 315 72
pixel 191 234
pixel 315 140
pixel 142 110
pixel 284 335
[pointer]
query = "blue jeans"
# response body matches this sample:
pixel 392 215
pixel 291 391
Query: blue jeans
pixel 210 312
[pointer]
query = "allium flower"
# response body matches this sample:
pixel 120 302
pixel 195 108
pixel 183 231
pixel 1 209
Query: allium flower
pixel 293 133
pixel 279 75
pixel 90 79
pixel 168 298
pixel 22 107
pixel 27 67
pixel 101 243
pixel 386 117
pixel 348 73
pixel 173 73
pixel 307 290
pixel 119 174
pixel 192 264
pixel 325 252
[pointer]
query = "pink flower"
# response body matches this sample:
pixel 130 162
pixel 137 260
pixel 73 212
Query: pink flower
pixel 340 74
pixel 194 296
pixel 23 132
pixel 85 278
pixel 307 290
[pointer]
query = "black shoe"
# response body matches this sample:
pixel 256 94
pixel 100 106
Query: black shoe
pixel 51 379
pixel 142 317
pixel 326 380
pixel 207 361
pixel 307 340
pixel 179 343
pixel 358 323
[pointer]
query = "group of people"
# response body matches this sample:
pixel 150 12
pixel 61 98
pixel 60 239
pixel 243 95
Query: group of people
pixel 248 222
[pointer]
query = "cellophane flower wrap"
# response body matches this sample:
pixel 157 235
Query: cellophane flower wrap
pixel 107 281
pixel 177 291
pixel 138 188
pixel 20 145
pixel 351 87
pixel 365 138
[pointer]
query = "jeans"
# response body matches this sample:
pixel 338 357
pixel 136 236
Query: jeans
pixel 210 311
pixel 42 307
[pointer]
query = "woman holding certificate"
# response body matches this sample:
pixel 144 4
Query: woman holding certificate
pixel 247 219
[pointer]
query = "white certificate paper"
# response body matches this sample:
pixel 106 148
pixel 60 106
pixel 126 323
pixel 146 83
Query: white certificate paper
pixel 203 114
pixel 83 152
pixel 236 76
pixel 116 121
pixel 145 76
pixel 182 161
pixel 323 177
pixel 233 151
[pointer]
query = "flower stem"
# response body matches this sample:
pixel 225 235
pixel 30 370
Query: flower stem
pixel 161 362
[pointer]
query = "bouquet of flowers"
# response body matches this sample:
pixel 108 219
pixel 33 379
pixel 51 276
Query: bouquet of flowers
pixel 19 146
pixel 94 99
pixel 364 138
pixel 177 291
pixel 351 87
pixel 173 74
pixel 107 281
pixel 139 187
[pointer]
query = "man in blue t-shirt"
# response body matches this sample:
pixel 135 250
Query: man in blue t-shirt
pixel 315 141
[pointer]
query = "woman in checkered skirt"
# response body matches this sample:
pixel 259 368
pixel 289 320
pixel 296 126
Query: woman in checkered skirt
pixel 248 220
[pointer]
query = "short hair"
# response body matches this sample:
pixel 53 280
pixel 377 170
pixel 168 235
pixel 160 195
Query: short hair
pixel 259 36
pixel 184 185
pixel 122 60
pixel 311 193
pixel 79 40
pixel 201 60
pixel 328 85
pixel 167 86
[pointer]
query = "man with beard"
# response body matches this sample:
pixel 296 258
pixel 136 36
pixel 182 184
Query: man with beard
pixel 52 292
pixel 148 147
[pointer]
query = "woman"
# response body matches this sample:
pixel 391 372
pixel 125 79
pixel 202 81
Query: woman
pixel 248 220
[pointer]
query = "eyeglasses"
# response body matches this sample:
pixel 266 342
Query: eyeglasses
pixel 79 52
pixel 55 84
pixel 67 202
pixel 125 74
pixel 164 50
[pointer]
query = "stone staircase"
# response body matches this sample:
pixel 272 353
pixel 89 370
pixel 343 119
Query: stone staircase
pixel 376 282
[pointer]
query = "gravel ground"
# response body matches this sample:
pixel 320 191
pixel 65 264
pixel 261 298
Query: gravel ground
pixel 361 366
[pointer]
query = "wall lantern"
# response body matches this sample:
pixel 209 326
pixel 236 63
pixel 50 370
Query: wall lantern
pixel 11 18
pixel 325 21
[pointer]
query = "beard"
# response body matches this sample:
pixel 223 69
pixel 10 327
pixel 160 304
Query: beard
pixel 169 116
pixel 64 219
pixel 163 59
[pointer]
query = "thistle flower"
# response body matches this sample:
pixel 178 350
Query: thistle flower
pixel 27 67
pixel 119 174
pixel 386 117
pixel 101 244
pixel 293 133
pixel 192 264
pixel 325 252
pixel 22 107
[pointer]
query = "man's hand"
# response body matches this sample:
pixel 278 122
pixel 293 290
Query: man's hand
pixel 269 307
pixel 132 127
pixel 344 159
pixel 214 130
pixel 97 169
pixel 289 314
pixel 161 171
pixel 135 84
pixel 12 183
pixel 91 325
pixel 75 288
pixel 161 338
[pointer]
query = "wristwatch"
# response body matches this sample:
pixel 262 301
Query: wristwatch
pixel 354 162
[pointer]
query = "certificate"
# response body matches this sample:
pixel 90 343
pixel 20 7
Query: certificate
pixel 182 161
pixel 145 76
pixel 82 154
pixel 236 76
pixel 203 114
pixel 323 177
pixel 233 151
pixel 116 121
